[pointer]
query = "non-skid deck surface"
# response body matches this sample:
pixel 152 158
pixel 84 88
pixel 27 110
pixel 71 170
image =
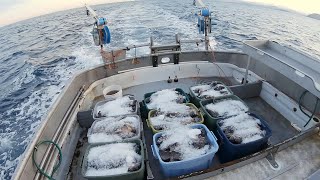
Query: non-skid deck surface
pixel 281 128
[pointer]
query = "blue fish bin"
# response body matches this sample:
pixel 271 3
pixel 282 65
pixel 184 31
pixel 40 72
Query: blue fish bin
pixel 229 151
pixel 184 167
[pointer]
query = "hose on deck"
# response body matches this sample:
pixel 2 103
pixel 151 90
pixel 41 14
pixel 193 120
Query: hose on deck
pixel 314 110
pixel 55 168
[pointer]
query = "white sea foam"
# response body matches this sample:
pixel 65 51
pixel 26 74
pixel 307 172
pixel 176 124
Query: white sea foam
pixel 6 141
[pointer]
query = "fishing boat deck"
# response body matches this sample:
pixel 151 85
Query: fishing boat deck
pixel 280 126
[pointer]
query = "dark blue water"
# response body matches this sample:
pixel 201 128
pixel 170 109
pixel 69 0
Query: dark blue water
pixel 39 55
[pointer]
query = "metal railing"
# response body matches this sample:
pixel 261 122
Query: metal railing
pixel 155 50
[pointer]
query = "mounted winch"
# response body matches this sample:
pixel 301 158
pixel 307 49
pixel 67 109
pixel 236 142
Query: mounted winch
pixel 204 21
pixel 100 32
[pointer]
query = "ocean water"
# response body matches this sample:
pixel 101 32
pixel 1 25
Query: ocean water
pixel 39 55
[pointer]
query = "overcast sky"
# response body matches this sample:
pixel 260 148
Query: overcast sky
pixel 304 6
pixel 15 10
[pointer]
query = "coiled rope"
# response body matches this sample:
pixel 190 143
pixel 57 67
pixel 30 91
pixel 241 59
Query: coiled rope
pixel 55 168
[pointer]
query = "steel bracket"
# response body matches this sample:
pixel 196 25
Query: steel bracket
pixel 271 159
